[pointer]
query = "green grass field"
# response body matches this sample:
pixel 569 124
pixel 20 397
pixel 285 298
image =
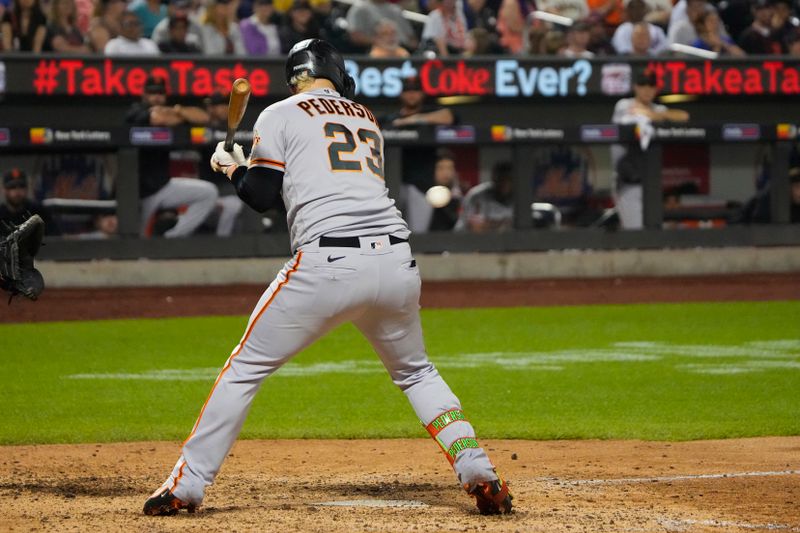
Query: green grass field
pixel 673 371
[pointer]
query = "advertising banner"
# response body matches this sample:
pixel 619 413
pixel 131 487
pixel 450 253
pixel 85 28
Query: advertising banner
pixel 500 78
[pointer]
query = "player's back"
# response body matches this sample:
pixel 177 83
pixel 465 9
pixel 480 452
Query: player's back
pixel 330 150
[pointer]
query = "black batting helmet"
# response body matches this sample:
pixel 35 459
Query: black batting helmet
pixel 321 60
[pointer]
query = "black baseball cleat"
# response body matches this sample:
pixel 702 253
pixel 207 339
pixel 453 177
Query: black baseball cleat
pixel 163 503
pixel 492 497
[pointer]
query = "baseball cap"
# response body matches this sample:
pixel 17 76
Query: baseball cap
pixel 184 4
pixel 412 83
pixel 646 77
pixel 155 85
pixel 15 178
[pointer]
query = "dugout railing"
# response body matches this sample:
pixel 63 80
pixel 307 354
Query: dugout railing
pixel 126 142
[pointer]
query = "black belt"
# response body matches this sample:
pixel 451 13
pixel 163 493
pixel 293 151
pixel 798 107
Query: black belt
pixel 351 242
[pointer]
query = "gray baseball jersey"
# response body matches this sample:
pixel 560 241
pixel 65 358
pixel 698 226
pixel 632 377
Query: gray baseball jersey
pixel 330 150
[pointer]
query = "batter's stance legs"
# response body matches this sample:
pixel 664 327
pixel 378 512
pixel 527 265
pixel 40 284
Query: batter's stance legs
pixel 380 295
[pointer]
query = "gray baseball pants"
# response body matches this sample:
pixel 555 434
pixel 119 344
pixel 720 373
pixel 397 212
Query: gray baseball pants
pixel 199 196
pixel 376 286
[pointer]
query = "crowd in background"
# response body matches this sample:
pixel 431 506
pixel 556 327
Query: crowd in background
pixel 571 28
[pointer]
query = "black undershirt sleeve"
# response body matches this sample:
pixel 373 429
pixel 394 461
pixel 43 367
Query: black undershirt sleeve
pixel 258 187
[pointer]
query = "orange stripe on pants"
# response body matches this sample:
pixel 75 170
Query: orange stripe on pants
pixel 243 341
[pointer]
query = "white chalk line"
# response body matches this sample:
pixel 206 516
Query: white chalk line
pixel 663 479
pixel 680 525
pixel 413 504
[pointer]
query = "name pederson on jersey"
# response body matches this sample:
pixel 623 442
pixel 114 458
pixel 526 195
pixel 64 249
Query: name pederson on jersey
pixel 330 151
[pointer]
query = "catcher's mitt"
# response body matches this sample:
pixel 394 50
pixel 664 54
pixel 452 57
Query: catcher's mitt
pixel 17 250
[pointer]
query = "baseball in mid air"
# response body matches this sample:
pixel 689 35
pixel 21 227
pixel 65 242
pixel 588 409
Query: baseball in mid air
pixel 438 196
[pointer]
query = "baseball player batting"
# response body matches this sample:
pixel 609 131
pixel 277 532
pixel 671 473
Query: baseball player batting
pixel 352 262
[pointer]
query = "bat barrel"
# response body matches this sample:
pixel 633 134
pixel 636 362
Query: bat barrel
pixel 240 94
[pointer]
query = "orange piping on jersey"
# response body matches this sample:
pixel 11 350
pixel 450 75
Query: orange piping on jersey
pixel 243 341
pixel 265 161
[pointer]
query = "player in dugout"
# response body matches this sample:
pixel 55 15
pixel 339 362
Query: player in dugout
pixel 17 207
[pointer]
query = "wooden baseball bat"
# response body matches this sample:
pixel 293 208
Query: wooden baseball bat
pixel 240 94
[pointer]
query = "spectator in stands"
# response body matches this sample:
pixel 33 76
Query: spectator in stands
pixel 298 24
pixel 488 207
pixel 599 41
pixel 364 17
pixel 282 6
pixel 792 43
pixel 636 10
pixel 682 28
pixel 24 27
pixel 130 41
pixel 332 21
pixel 735 16
pixel 178 37
pixel 678 14
pixel 18 207
pixel 658 12
pixel 150 13
pixel 611 12
pixel 387 42
pixel 63 35
pixel 157 189
pixel 179 9
pixel 220 34
pixel 106 24
pixel 710 36
pixel 629 162
pixel 260 33
pixel 445 31
pixel 641 39
pixel 784 21
pixel 759 38
pixel 228 204
pixel 481 42
pixel 84 11
pixel 513 25
pixel 551 43
pixel 577 41
pixel 482 14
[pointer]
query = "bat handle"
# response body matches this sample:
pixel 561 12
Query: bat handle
pixel 228 146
